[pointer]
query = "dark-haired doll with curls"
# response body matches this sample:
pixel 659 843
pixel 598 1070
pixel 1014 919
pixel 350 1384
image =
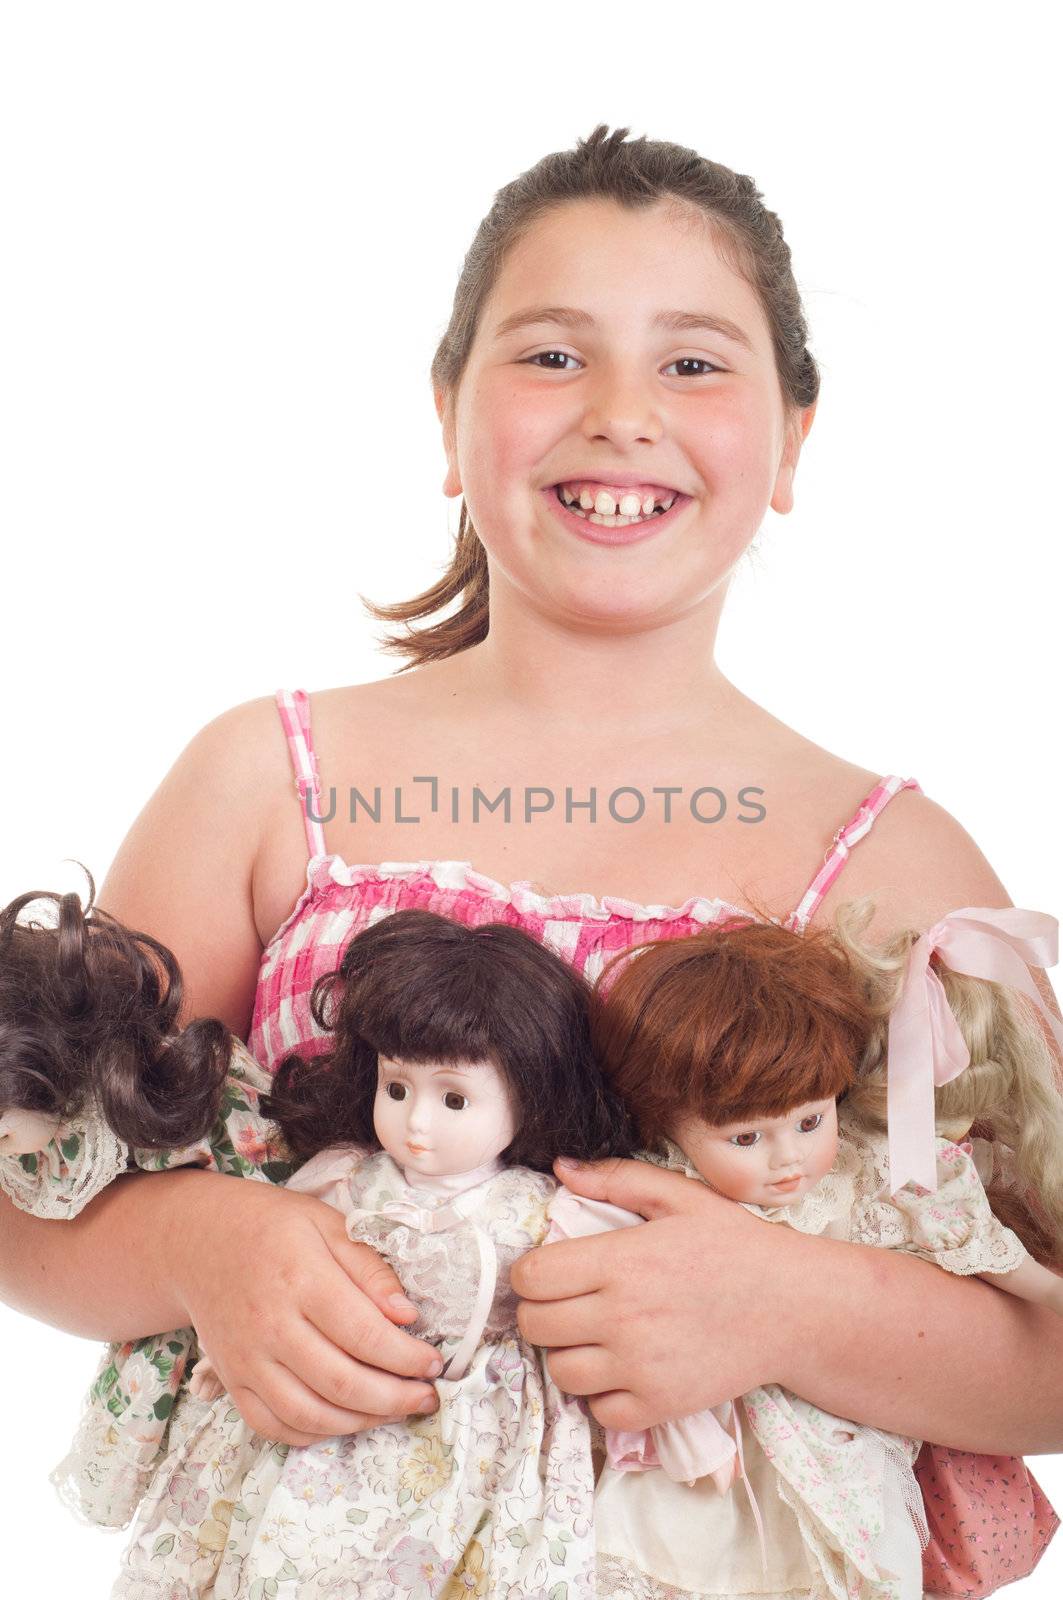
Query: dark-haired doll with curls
pixel 91 1065
pixel 460 1066
pixel 801 1076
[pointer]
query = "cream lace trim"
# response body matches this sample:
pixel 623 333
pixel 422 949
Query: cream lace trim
pixel 60 1187
pixel 618 1580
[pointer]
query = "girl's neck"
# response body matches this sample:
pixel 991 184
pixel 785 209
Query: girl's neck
pixel 445 1184
pixel 663 679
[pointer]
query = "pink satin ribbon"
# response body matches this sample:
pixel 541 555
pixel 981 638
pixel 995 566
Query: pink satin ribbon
pixel 926 1047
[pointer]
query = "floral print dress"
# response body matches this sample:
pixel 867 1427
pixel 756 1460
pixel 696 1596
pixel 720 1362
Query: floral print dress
pixel 490 1495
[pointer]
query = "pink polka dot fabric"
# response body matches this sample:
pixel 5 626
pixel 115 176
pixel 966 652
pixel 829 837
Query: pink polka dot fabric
pixel 990 1522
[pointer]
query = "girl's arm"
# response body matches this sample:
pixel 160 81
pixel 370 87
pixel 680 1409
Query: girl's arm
pixel 705 1302
pixel 157 1251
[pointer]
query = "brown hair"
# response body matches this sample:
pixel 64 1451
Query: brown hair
pixel 635 173
pixel 416 987
pixel 88 1011
pixel 744 1019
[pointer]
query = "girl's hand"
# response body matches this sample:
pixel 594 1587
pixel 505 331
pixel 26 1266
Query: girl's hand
pixel 664 1319
pixel 299 1321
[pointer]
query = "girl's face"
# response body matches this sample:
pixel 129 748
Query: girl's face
pixel 765 1161
pixel 618 351
pixel 438 1119
pixel 23 1133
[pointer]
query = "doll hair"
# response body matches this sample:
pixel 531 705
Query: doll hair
pixel 636 174
pixel 743 1019
pixel 88 1012
pixel 1010 1092
pixel 416 986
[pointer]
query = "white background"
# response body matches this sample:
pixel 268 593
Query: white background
pixel 232 234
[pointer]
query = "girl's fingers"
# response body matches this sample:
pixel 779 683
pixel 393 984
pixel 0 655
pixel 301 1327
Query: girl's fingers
pixel 583 1369
pixel 342 1379
pixel 570 1267
pixel 375 1277
pixel 352 1323
pixel 557 1323
pixel 298 1415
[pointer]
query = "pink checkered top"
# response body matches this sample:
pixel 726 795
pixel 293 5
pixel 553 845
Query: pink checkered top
pixel 339 900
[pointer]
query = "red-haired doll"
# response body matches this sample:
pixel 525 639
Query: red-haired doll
pixel 758 1060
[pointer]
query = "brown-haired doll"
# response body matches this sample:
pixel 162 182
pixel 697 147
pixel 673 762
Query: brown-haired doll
pixel 459 1067
pixel 91 1064
pixel 738 1052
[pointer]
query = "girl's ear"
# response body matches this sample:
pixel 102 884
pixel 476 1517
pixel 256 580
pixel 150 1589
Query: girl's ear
pixel 797 425
pixel 445 413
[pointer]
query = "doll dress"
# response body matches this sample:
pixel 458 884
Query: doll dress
pixel 490 1495
pixel 847 1491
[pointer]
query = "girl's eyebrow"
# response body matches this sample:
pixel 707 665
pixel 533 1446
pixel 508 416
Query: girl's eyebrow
pixel 572 317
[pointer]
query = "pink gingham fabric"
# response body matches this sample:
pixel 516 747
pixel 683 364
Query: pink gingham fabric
pixel 340 900
pixel 991 1521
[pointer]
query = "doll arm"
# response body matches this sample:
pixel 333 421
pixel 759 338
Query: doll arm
pixel 688 1448
pixel 84 1155
pixel 1030 1281
pixel 80 1160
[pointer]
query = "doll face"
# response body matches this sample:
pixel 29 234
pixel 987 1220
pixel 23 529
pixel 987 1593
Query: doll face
pixel 765 1161
pixel 441 1119
pixel 23 1133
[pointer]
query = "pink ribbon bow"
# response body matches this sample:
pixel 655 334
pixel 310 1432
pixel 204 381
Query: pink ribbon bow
pixel 926 1047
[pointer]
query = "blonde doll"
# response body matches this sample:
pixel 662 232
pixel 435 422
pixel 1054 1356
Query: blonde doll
pixel 758 1061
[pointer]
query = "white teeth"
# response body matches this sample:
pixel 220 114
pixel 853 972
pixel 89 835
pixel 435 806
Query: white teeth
pixel 586 500
pixel 647 506
pixel 630 505
pixel 604 503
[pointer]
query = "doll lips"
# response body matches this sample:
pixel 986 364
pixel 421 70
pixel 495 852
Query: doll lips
pixel 787 1183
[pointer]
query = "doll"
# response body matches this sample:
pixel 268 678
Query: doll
pixel 757 1060
pixel 460 1065
pixel 90 1063
pixel 96 1081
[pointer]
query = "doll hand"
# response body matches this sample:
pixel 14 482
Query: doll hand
pixel 657 1321
pixel 298 1320
pixel 204 1382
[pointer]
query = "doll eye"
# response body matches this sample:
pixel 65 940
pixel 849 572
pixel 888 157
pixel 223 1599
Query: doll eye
pixel 454 1101
pixel 744 1141
pixel 396 1091
pixel 810 1124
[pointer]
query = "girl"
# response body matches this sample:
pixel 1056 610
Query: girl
pixel 732 1050
pixel 566 652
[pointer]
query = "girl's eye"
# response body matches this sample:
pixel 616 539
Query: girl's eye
pixel 744 1141
pixel 533 360
pixel 543 360
pixel 396 1091
pixel 810 1124
pixel 454 1101
pixel 694 361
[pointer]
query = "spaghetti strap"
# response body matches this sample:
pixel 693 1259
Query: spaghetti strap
pixel 294 708
pixel 858 826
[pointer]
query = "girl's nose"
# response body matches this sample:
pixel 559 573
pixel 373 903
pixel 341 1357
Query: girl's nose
pixel 622 409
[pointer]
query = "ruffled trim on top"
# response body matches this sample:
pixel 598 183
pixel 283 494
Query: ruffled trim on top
pixel 459 877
